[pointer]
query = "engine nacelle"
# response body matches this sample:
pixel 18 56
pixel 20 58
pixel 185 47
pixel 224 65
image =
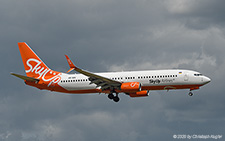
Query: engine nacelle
pixel 139 94
pixel 130 87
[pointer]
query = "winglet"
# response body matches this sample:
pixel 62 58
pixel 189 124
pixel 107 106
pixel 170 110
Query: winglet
pixel 72 66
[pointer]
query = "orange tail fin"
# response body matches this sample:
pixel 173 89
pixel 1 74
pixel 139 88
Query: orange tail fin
pixel 34 66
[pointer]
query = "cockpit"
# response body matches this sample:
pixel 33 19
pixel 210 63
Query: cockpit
pixel 198 74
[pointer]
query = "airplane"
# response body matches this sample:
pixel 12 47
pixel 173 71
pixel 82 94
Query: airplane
pixel 132 83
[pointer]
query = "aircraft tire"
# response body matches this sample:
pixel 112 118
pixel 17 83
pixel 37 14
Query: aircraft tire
pixel 111 96
pixel 116 99
pixel 190 94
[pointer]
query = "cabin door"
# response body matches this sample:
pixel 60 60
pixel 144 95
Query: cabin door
pixel 186 77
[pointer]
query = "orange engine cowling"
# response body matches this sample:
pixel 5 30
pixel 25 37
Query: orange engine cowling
pixel 131 87
pixel 139 94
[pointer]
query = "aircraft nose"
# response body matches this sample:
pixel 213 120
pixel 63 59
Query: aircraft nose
pixel 206 80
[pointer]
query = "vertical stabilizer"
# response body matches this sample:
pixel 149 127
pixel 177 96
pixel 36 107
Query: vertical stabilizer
pixel 34 66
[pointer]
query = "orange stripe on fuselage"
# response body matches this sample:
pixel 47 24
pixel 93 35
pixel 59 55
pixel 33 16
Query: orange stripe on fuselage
pixel 55 87
pixel 165 87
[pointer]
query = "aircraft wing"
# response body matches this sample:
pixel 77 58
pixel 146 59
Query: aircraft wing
pixel 101 81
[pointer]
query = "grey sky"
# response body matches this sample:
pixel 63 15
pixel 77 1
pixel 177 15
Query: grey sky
pixel 109 35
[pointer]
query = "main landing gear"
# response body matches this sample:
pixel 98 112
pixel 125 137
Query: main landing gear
pixel 114 98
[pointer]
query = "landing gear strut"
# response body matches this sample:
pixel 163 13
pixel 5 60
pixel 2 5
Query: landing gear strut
pixel 114 98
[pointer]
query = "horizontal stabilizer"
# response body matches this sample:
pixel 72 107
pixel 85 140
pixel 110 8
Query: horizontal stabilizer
pixel 25 77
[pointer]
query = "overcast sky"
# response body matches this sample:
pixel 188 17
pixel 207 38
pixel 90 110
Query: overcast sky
pixel 113 35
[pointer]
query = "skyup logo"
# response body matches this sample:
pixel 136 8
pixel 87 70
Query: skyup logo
pixel 41 72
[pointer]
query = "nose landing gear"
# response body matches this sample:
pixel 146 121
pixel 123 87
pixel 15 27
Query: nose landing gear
pixel 190 94
pixel 193 88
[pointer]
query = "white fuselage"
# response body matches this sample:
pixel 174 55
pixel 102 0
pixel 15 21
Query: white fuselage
pixel 150 80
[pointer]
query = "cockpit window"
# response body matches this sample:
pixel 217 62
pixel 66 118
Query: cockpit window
pixel 198 74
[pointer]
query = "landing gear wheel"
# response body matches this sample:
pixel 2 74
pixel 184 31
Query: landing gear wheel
pixel 190 94
pixel 116 99
pixel 111 96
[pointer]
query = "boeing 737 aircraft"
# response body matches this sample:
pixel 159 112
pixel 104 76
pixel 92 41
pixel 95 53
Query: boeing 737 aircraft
pixel 132 83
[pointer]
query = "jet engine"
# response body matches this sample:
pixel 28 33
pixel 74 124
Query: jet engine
pixel 139 94
pixel 130 87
